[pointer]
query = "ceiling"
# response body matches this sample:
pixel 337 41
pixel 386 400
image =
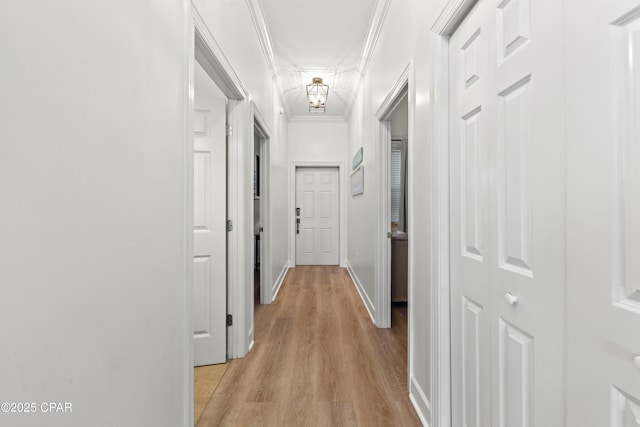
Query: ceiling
pixel 332 39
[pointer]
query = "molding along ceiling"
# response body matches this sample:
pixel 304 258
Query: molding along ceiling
pixel 332 39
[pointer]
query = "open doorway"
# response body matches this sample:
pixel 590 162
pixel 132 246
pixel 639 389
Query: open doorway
pixel 393 278
pixel 260 179
pixel 209 285
pixel 258 228
pixel 215 99
pixel 209 220
pixel 398 213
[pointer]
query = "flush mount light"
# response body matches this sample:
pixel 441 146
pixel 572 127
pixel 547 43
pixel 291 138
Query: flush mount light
pixel 317 95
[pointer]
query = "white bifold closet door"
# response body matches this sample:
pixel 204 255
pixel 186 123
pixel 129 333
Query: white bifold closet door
pixel 507 194
pixel 603 229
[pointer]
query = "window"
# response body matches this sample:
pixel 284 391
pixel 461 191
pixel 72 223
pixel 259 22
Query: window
pixel 398 159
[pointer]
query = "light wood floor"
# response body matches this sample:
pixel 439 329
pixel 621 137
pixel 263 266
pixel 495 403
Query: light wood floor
pixel 318 360
pixel 205 381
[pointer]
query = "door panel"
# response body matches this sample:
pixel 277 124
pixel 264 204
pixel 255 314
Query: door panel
pixel 209 234
pixel 507 215
pixel 470 279
pixel 317 196
pixel 603 85
pixel 515 376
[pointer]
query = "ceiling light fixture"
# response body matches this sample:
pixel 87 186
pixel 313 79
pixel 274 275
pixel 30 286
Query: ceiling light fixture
pixel 317 94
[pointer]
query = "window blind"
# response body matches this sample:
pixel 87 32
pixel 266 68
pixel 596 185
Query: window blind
pixel 396 183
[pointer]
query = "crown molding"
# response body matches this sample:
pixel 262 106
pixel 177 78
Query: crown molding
pixel 378 17
pixel 264 36
pixel 373 34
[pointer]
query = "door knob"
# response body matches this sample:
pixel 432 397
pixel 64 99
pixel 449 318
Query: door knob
pixel 636 361
pixel 510 298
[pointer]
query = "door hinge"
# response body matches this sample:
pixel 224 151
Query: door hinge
pixel 229 130
pixel 389 235
pixel 229 319
pixel 229 225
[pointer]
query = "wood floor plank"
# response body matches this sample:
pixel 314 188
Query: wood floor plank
pixel 318 360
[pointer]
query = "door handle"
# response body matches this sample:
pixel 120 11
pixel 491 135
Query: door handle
pixel 510 298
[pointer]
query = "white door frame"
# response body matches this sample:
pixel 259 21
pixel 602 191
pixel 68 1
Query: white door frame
pixel 201 43
pixel 292 206
pixel 262 128
pixel 450 17
pixel 403 86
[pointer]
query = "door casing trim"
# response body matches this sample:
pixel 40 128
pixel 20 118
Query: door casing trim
pixel 200 43
pixel 450 17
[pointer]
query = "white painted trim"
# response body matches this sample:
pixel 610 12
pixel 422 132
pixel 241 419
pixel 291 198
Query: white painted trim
pixel 243 131
pixel 403 85
pixel 419 401
pixel 292 205
pixel 380 11
pixel 264 36
pixel 200 44
pixel 213 60
pixel 188 354
pixel 452 14
pixel 382 287
pixel 368 304
pixel 278 284
pixel 440 300
pixel 395 95
pixel 264 130
pixel 373 34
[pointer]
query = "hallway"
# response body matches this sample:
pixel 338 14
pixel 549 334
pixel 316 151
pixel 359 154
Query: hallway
pixel 318 360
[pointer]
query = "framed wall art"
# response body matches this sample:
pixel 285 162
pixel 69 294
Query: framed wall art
pixel 357 181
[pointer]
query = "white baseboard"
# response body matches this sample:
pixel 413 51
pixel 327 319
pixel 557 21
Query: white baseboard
pixel 363 295
pixel 278 284
pixel 420 402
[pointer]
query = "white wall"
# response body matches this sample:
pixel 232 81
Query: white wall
pixel 317 140
pixel 92 183
pixel 400 119
pixel 405 39
pixel 229 21
pixel 279 203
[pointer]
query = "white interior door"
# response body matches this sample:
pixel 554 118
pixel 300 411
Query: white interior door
pixel 603 243
pixel 210 239
pixel 507 215
pixel 317 202
pixel 470 229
